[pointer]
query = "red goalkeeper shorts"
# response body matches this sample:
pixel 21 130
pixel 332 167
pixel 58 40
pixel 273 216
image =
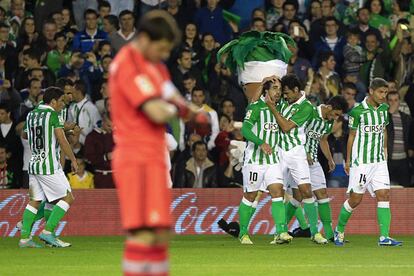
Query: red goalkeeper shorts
pixel 144 196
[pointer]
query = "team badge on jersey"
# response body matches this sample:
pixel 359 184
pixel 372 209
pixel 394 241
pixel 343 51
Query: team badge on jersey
pixel 144 84
pixel 248 114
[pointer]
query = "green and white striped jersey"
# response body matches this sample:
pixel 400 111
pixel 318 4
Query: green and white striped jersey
pixel 299 112
pixel 370 124
pixel 315 129
pixel 265 129
pixel 39 126
pixel 63 114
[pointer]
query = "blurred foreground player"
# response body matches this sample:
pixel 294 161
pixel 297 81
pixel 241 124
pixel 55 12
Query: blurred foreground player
pixel 143 99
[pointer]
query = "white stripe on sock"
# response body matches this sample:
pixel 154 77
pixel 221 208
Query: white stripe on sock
pixel 63 204
pixel 145 267
pixel 31 209
pixel 254 204
pixel 383 204
pixel 294 202
pixel 246 202
pixel 324 200
pixel 49 206
pixel 308 200
pixel 348 207
pixel 277 199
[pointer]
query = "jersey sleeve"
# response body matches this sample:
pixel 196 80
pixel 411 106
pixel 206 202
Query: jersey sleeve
pixel 304 113
pixel 251 115
pixel 56 120
pixel 328 128
pixel 248 123
pixel 354 120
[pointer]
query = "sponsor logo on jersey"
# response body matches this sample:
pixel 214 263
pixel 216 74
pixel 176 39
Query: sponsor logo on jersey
pixel 314 135
pixel 144 84
pixel 373 128
pixel 248 114
pixel 273 127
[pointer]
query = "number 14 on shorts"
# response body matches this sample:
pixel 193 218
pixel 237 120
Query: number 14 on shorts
pixel 362 179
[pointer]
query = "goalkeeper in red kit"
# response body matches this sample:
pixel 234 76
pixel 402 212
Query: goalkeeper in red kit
pixel 143 99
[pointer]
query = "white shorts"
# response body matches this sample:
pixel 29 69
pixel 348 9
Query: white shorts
pixel 295 163
pixel 373 177
pixel 50 187
pixel 259 177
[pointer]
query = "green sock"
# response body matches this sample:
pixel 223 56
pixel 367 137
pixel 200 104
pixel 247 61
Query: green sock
pixel 290 211
pixel 40 211
pixel 301 218
pixel 29 216
pixel 279 215
pixel 312 214
pixel 47 212
pixel 58 212
pixel 343 218
pixel 325 214
pixel 384 219
pixel 245 213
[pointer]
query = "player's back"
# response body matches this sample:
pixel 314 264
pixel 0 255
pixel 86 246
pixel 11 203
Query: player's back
pixel 133 81
pixel 40 125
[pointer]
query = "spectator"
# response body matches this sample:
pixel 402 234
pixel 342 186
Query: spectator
pixel 189 83
pixel 298 65
pixel 58 19
pixel 208 58
pixel 126 33
pixel 27 34
pixel 83 112
pixel 354 55
pixel 30 96
pixel 210 130
pixel 88 39
pixel 304 46
pixel 258 24
pixel 349 92
pixel 274 12
pixel 68 20
pixel 99 145
pixel 330 79
pixel 7 174
pixel 400 10
pixel 184 65
pixel 403 59
pixel 8 50
pixel 101 103
pixel 82 179
pixel 210 20
pixel 180 15
pixel 9 137
pixel 400 146
pixel 11 97
pixel 60 56
pixel 317 28
pixel 378 60
pixel 110 24
pixel 104 9
pixel 378 17
pixel 228 109
pixel 117 6
pixel 183 155
pixel 314 13
pixel 332 41
pixel 191 41
pixel 363 15
pixel 200 172
pixel 290 9
pixel 102 77
pixel 46 41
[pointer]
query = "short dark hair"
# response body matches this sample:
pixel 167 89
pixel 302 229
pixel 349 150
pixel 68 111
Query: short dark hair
pixel 4 146
pixel 90 11
pixel 182 51
pixel 352 31
pixel 225 116
pixel 4 25
pixel 198 143
pixel 226 100
pixel 393 93
pixel 361 9
pixel 159 25
pixel 60 34
pixel 126 12
pixel 291 3
pixel 338 103
pixel 188 76
pixel 207 34
pixel 113 20
pixel 291 81
pixel 103 43
pixel 35 69
pixel 324 56
pixel 62 82
pixel 378 83
pixel 349 85
pixel 103 4
pixel 330 18
pixel 52 93
pixel 81 86
pixel 105 57
pixel 5 106
pixel 32 53
pixel 404 5
pixel 198 88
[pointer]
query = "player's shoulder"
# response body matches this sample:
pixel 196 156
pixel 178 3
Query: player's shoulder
pixel 121 61
pixel 358 109
pixel 384 107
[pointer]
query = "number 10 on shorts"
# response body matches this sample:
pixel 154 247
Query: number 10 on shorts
pixel 253 177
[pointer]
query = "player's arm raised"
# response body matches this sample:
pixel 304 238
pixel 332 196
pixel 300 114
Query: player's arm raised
pixel 66 148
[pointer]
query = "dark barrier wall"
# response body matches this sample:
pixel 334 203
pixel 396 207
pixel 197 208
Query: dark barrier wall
pixel 196 211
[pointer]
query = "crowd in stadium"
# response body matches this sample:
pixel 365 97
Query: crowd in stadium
pixel 341 46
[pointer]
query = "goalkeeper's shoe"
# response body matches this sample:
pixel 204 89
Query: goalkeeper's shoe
pixel 29 243
pixel 387 241
pixel 50 239
pixel 282 238
pixel 245 239
pixel 319 239
pixel 301 233
pixel 339 238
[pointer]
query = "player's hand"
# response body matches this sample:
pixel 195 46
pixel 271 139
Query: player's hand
pixel 331 165
pixel 346 168
pixel 69 126
pixel 74 166
pixel 266 148
pixel 310 160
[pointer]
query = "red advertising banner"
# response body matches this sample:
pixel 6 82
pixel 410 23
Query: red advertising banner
pixel 196 211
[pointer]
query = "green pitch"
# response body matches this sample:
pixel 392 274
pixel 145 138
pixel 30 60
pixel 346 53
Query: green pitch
pixel 215 255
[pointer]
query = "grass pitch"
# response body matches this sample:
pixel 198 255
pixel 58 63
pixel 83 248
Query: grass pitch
pixel 215 255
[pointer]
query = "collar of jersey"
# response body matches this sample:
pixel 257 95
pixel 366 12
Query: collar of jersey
pixel 319 108
pixel 44 106
pixel 366 105
pixel 301 99
pixel 82 102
